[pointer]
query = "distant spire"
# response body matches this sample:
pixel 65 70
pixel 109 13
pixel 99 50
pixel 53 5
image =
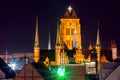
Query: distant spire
pixel 57 36
pixel 98 44
pixel 36 44
pixel 90 46
pixel 49 42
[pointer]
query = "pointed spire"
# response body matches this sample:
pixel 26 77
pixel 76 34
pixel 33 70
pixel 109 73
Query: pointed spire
pixel 49 42
pixel 98 44
pixel 57 36
pixel 36 44
pixel 74 15
pixel 66 15
pixel 90 46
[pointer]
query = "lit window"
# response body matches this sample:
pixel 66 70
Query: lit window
pixel 67 31
pixel 72 31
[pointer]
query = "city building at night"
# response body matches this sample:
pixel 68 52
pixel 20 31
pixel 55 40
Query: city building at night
pixel 68 49
pixel 68 60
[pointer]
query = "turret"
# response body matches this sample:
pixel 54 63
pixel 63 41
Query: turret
pixel 114 50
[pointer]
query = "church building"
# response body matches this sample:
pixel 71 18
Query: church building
pixel 68 48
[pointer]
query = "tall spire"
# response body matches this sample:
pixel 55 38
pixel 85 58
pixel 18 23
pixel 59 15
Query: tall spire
pixel 98 49
pixel 49 42
pixel 98 44
pixel 36 44
pixel 57 36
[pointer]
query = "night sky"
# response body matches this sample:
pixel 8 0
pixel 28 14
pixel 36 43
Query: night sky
pixel 17 22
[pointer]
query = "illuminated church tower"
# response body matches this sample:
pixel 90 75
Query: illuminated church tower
pixel 36 44
pixel 68 23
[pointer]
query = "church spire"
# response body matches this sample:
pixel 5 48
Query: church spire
pixel 49 42
pixel 98 44
pixel 57 36
pixel 36 44
pixel 98 49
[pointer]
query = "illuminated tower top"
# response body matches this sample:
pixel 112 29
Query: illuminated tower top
pixel 98 44
pixel 70 30
pixel 36 44
pixel 70 13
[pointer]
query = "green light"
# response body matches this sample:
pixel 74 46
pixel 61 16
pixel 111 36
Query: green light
pixel 61 71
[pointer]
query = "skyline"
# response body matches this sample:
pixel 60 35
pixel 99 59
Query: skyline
pixel 18 22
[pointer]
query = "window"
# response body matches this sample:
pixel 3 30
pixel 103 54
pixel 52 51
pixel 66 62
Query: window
pixel 72 31
pixel 67 31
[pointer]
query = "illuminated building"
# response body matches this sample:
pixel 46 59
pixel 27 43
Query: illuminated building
pixel 70 31
pixel 68 47
pixel 68 54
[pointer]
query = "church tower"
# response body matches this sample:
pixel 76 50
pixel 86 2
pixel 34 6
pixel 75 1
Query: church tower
pixel 36 44
pixel 98 48
pixel 68 24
